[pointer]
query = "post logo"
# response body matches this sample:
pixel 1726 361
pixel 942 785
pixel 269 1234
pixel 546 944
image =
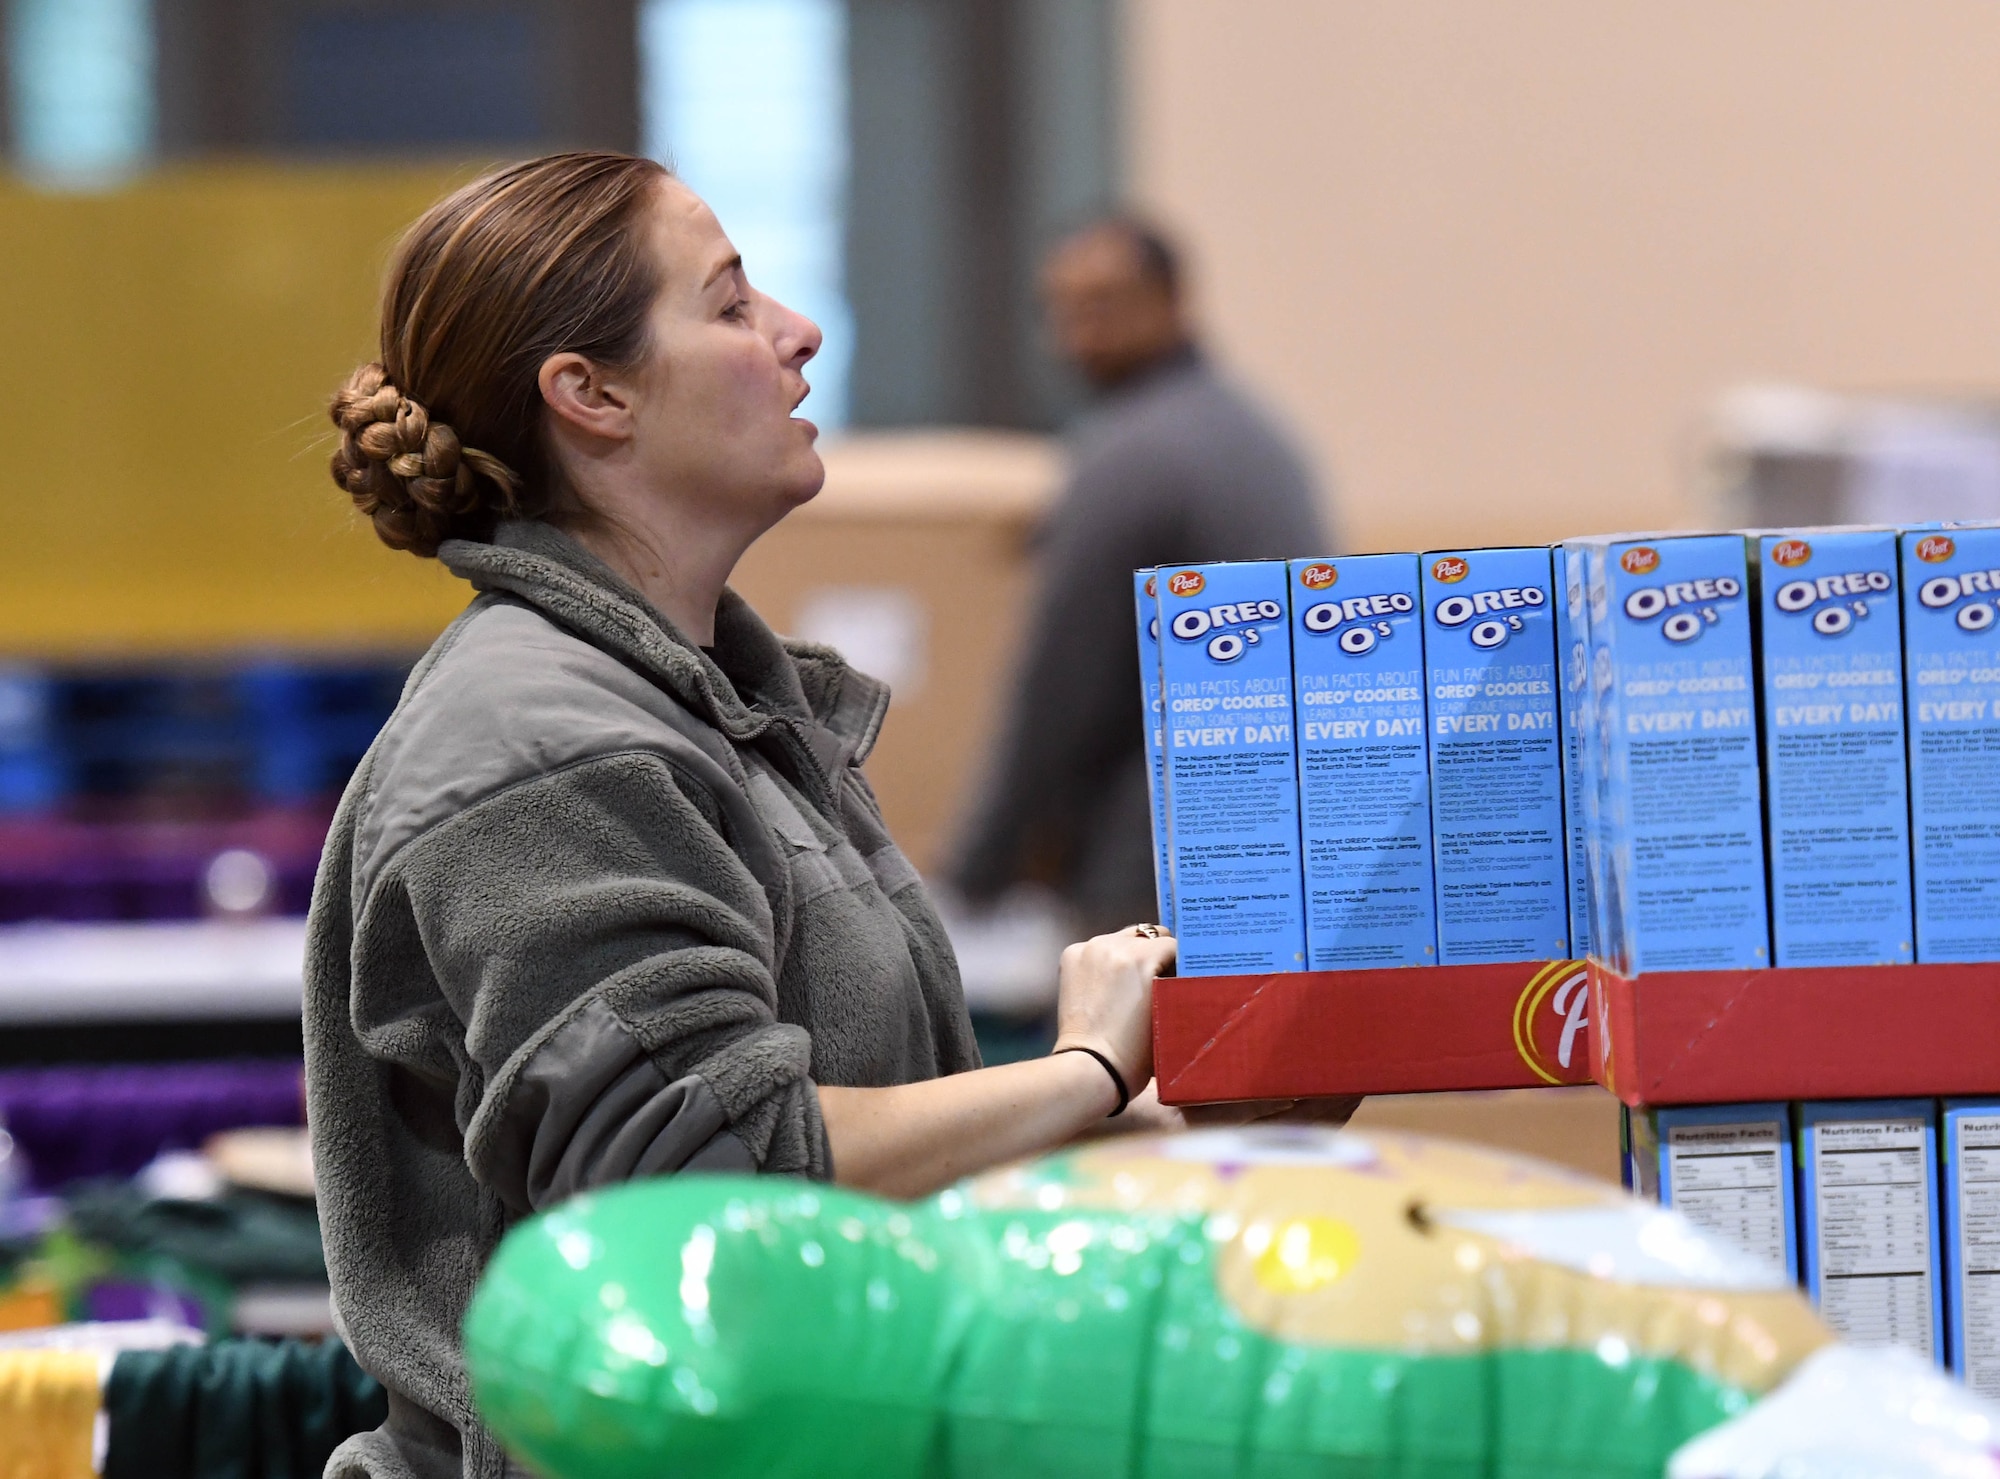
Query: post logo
pixel 1450 568
pixel 1790 552
pixel 1933 548
pixel 1551 1016
pixel 1152 585
pixel 1318 577
pixel 1186 583
pixel 1640 560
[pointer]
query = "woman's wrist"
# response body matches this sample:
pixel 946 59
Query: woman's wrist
pixel 1098 1094
pixel 1111 1071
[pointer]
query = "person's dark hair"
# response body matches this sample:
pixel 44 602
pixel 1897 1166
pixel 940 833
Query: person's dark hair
pixel 441 437
pixel 1159 258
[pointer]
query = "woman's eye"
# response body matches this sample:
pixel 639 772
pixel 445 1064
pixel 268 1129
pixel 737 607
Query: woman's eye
pixel 735 310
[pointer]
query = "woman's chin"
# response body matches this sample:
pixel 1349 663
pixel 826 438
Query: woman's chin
pixel 805 476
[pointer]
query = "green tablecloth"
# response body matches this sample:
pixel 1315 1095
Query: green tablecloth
pixel 237 1409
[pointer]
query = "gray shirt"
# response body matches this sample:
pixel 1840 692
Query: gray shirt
pixel 596 905
pixel 1174 467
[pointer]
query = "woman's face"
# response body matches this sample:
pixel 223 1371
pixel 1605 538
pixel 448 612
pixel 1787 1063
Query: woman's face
pixel 724 372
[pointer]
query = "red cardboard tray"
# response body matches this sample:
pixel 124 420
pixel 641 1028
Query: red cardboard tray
pixel 1821 1032
pixel 1310 1034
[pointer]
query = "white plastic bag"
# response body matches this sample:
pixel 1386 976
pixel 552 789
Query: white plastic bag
pixel 1853 1413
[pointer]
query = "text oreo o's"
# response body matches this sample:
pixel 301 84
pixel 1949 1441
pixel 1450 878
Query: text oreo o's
pixel 1231 767
pixel 1678 863
pixel 1364 775
pixel 1496 773
pixel 1951 696
pixel 1830 669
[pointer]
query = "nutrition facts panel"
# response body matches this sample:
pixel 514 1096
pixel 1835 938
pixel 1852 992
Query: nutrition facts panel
pixel 1873 1223
pixel 1730 1180
pixel 1977 1254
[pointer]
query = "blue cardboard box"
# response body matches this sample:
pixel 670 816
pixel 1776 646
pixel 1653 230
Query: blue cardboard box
pixel 1496 762
pixel 1603 808
pixel 1727 1168
pixel 1232 772
pixel 1145 598
pixel 1680 825
pixel 1869 1208
pixel 1364 772
pixel 1951 669
pixel 1573 710
pixel 1830 667
pixel 1970 1150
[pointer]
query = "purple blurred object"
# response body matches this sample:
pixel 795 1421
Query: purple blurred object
pixel 66 868
pixel 124 1299
pixel 77 1122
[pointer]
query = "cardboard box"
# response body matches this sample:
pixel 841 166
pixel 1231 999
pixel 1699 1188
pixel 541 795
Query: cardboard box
pixel 1574 715
pixel 1830 670
pixel 1232 772
pixel 1681 857
pixel 1727 1168
pixel 1312 1034
pixel 915 561
pixel 1145 597
pixel 1364 769
pixel 1571 1125
pixel 1807 1032
pixel 1951 646
pixel 1496 765
pixel 1869 1208
pixel 1970 1149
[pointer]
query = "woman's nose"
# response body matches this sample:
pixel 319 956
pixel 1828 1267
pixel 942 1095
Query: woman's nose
pixel 798 338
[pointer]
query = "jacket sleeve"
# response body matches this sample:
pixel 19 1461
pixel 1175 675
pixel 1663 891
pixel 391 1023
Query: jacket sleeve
pixel 605 953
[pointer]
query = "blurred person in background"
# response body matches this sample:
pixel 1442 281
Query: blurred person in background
pixel 1173 464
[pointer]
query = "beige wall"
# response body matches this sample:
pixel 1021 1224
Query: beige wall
pixel 1493 261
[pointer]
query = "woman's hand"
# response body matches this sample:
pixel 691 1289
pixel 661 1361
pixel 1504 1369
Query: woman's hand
pixel 1105 997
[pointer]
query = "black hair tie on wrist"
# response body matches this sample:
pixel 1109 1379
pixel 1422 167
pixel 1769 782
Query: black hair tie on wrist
pixel 1117 1078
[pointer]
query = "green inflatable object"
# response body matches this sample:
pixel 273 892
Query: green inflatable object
pixel 1273 1303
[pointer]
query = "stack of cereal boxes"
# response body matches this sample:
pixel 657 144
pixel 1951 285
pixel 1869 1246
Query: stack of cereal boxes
pixel 1357 761
pixel 1673 752
pixel 1873 696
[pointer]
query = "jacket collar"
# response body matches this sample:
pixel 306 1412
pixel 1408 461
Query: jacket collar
pixel 755 683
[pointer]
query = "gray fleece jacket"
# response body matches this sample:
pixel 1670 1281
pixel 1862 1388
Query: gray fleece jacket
pixel 596 905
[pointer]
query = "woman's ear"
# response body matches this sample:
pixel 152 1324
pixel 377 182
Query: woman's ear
pixel 586 397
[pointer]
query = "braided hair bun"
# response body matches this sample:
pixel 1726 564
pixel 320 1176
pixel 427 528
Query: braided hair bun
pixel 408 472
pixel 544 257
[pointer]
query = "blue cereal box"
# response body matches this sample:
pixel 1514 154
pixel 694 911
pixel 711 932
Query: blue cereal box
pixel 1727 1168
pixel 1970 1150
pixel 1364 773
pixel 1496 763
pixel 1145 596
pixel 1869 1203
pixel 1682 826
pixel 1573 714
pixel 1603 809
pixel 1830 662
pixel 1232 775
pixel 1951 652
